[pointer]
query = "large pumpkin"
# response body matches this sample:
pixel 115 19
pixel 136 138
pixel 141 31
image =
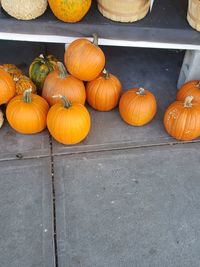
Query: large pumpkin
pixel 84 60
pixel 40 68
pixel 22 83
pixel 103 93
pixel 137 107
pixel 182 119
pixel 68 123
pixel 12 70
pixel 59 82
pixel 27 114
pixel 191 88
pixel 71 10
pixel 7 87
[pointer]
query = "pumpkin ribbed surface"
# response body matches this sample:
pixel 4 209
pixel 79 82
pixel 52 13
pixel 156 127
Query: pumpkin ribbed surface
pixel 7 87
pixel 182 119
pixel 23 83
pixel 71 10
pixel 191 88
pixel 24 9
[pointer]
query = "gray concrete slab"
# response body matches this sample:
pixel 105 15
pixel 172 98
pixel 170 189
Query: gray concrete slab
pixel 26 235
pixel 14 145
pixel 157 70
pixel 130 208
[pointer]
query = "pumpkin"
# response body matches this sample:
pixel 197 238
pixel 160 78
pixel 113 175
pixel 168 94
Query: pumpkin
pixel 1 119
pixel 71 10
pixel 27 114
pixel 191 88
pixel 68 123
pixel 84 60
pixel 103 93
pixel 40 68
pixel 7 87
pixel 24 9
pixel 182 119
pixel 22 84
pixel 12 70
pixel 59 82
pixel 137 107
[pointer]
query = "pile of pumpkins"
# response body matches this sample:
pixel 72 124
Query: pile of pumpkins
pixel 60 104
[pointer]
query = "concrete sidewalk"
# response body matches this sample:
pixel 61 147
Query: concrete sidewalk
pixel 125 197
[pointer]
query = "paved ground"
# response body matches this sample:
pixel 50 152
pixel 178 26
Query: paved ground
pixel 125 197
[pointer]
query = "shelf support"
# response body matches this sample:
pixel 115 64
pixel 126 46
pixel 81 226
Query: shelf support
pixel 191 67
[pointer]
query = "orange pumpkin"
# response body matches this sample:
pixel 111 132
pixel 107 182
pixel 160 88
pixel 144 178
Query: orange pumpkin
pixel 71 10
pixel 7 87
pixel 191 88
pixel 68 123
pixel 59 82
pixel 27 114
pixel 182 119
pixel 103 93
pixel 137 107
pixel 22 83
pixel 12 70
pixel 84 60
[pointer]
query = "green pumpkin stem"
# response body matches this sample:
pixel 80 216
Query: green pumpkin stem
pixel 106 74
pixel 141 91
pixel 95 40
pixel 188 102
pixel 62 71
pixel 27 96
pixel 66 102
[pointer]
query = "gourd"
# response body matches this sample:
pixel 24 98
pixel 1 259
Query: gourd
pixel 137 107
pixel 23 83
pixel 191 88
pixel 68 123
pixel 12 70
pixel 40 68
pixel 71 10
pixel 59 82
pixel 84 60
pixel 1 119
pixel 27 114
pixel 103 93
pixel 182 119
pixel 7 87
pixel 24 9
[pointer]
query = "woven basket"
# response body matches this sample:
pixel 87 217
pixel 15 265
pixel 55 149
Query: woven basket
pixel 193 15
pixel 124 10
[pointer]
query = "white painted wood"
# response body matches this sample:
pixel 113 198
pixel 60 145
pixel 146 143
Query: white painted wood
pixel 190 69
pixel 107 42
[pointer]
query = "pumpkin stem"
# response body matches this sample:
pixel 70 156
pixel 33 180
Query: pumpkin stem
pixel 141 91
pixel 66 102
pixel 41 56
pixel 62 70
pixel 106 74
pixel 27 96
pixel 95 40
pixel 188 102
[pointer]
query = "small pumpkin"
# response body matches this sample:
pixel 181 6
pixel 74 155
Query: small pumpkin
pixel 84 60
pixel 68 123
pixel 103 93
pixel 40 68
pixel 137 107
pixel 59 82
pixel 27 114
pixel 12 70
pixel 23 83
pixel 71 10
pixel 24 9
pixel 7 87
pixel 182 119
pixel 1 118
pixel 191 88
